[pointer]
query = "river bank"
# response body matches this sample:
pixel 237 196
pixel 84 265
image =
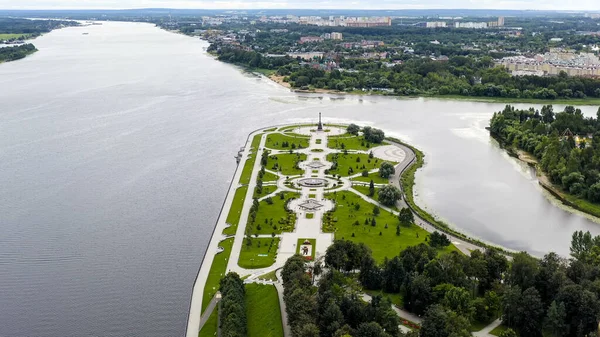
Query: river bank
pixel 280 80
pixel 572 203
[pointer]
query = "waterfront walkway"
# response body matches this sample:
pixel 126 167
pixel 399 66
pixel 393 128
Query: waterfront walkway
pixel 310 209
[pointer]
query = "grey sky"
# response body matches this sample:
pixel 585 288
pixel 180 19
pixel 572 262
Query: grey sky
pixel 305 4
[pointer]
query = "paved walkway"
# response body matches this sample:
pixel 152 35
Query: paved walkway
pixel 195 312
pixel 307 227
pixel 462 245
pixel 287 331
pixel 209 309
pixel 485 332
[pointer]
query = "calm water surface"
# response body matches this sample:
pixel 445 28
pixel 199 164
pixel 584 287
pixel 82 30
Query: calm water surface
pixel 116 151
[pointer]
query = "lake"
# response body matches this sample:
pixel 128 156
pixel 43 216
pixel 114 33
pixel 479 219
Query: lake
pixel 117 149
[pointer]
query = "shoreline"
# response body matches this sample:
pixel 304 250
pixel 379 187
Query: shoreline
pixel 479 99
pixel 423 219
pixel 407 183
pixel 557 194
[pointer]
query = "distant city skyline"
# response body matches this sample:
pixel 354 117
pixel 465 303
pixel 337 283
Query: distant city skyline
pixel 587 5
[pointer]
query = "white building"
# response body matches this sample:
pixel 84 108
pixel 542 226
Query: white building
pixel 471 25
pixel 436 24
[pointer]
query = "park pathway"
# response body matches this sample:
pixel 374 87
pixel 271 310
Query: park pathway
pixel 307 226
pixel 403 314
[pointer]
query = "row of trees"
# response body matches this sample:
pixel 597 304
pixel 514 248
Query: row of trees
pixel 232 314
pixel 566 143
pixel 335 308
pixel 557 296
pixel 15 53
pixel 461 75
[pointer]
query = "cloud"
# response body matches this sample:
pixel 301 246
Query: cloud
pixel 303 4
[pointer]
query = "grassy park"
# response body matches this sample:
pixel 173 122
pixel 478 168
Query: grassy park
pixel 211 326
pixel 270 276
pixel 217 271
pixel 372 176
pixel 286 163
pixel 263 312
pixel 352 163
pixel 233 217
pixel 258 252
pixel 278 141
pixel 269 177
pixel 4 37
pixel 396 298
pixel 266 190
pixel 348 222
pixel 350 143
pixel 365 190
pixel 273 217
pixel 249 164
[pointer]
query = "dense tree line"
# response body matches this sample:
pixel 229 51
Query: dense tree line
pixel 468 72
pixel 570 162
pixel 556 296
pixel 16 53
pixel 232 314
pixel 334 307
pixel 31 27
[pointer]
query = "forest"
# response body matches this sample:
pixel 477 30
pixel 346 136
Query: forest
pixel 31 27
pixel 566 143
pixel 15 53
pixel 460 75
pixel 553 296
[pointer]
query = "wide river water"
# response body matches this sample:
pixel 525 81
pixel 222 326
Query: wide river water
pixel 116 151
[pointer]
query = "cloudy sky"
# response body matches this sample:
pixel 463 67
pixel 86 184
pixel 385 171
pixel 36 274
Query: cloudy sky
pixel 305 4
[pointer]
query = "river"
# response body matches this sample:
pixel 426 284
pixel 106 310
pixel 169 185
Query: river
pixel 116 151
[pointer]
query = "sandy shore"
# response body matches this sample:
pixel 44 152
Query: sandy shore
pixel 279 80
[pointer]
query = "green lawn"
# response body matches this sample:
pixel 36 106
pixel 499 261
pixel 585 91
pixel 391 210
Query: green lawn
pixel 292 127
pixel 255 143
pixel 10 36
pixel 211 326
pixel 343 135
pixel 372 176
pixel 395 298
pixel 270 276
pixel 269 177
pixel 249 164
pixel 365 190
pixel 233 218
pixel 260 254
pixel 314 247
pixel 358 162
pixel 286 163
pixel 266 190
pixel 350 143
pixel 217 271
pixel 293 134
pixel 273 218
pixel 276 141
pixel 498 330
pixel 580 204
pixel 263 312
pixel 342 223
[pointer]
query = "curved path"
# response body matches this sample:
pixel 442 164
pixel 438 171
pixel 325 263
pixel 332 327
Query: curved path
pixel 464 246
pixel 306 227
